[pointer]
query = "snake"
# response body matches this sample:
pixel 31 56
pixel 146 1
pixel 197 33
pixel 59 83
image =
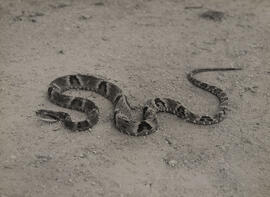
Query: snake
pixel 123 117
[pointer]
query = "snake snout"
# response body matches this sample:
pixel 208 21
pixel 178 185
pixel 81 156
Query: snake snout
pixel 47 115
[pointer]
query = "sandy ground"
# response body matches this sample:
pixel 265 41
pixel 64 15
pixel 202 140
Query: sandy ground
pixel 146 47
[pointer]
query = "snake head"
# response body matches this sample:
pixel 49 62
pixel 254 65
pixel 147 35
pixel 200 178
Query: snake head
pixel 51 116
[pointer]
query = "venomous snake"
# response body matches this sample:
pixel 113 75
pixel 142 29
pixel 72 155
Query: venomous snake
pixel 123 118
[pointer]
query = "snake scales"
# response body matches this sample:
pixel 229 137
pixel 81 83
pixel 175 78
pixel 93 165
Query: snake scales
pixel 123 119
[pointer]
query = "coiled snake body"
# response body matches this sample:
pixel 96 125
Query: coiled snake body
pixel 122 110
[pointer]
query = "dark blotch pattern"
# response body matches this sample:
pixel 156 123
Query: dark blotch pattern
pixel 83 125
pixel 180 112
pixel 89 105
pixel 117 99
pixel 223 99
pixel 217 92
pixel 144 112
pixel 70 125
pixel 60 99
pixel 171 105
pixel 144 125
pixel 159 103
pixel 114 91
pixel 223 94
pixel 206 118
pixel 102 88
pixel 74 81
pixel 211 89
pixel 203 85
pixel 50 89
pixel 93 117
pixel 76 103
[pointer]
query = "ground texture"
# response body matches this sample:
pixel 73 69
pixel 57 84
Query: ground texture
pixel 146 47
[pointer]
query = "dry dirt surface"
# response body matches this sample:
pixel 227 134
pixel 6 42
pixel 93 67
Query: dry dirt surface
pixel 146 47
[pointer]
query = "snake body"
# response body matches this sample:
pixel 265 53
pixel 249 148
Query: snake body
pixel 123 118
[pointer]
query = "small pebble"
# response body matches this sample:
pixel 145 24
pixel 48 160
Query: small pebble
pixel 82 155
pixel 168 141
pixel 43 158
pixel 61 52
pixel 172 163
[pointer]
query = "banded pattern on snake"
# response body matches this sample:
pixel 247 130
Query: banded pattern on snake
pixel 123 119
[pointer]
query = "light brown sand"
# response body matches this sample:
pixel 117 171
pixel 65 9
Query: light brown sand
pixel 146 47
